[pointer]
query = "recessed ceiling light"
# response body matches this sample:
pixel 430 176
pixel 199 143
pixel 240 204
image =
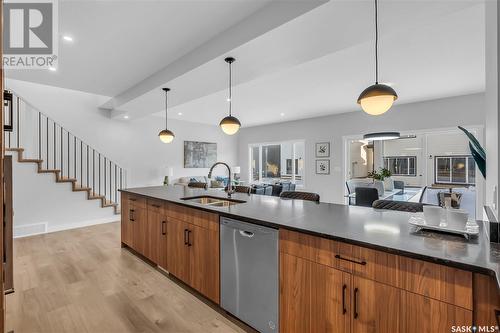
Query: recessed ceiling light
pixel 282 114
pixel 53 69
pixel 180 113
pixel 68 38
pixel 125 117
pixel 228 99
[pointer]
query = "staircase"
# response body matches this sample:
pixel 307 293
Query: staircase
pixel 38 139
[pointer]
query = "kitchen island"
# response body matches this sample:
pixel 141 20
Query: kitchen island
pixel 342 268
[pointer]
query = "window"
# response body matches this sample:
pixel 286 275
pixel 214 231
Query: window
pixel 284 161
pixel 455 170
pixel 401 165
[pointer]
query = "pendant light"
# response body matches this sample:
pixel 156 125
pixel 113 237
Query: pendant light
pixel 378 98
pixel 382 136
pixel 166 135
pixel 230 125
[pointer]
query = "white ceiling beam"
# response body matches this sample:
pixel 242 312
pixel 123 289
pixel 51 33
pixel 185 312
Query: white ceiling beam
pixel 264 20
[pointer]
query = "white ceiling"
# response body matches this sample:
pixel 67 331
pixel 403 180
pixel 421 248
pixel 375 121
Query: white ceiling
pixel 313 65
pixel 118 43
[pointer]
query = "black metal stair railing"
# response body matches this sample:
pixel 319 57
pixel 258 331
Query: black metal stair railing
pixel 45 140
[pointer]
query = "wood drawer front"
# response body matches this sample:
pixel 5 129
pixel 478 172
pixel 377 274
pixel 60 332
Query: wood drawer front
pixel 136 201
pixel 194 216
pixel 320 250
pixel 155 206
pixel 447 284
pixel 378 266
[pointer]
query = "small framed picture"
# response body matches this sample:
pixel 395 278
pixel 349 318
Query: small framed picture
pixel 323 149
pixel 322 167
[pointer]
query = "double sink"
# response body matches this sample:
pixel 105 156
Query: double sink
pixel 213 201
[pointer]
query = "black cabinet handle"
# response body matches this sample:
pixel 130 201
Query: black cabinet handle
pixel 131 215
pixel 344 310
pixel 338 256
pixel 155 205
pixel 163 231
pixel 189 240
pixel 132 199
pixel 356 303
pixel 186 237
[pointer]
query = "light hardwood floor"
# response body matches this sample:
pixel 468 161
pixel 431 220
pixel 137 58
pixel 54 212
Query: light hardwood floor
pixel 82 281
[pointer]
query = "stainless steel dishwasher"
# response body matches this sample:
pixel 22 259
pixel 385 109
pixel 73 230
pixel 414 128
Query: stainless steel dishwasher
pixel 249 273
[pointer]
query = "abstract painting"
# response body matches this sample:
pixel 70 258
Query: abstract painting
pixel 199 154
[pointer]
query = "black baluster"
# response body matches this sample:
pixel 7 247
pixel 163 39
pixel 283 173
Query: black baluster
pixel 54 142
pixel 99 174
pixel 62 149
pixel 105 187
pixel 81 163
pixel 110 183
pixel 87 166
pixel 116 193
pixel 68 155
pixel 47 132
pixel 39 136
pixel 74 157
pixel 17 108
pixel 93 170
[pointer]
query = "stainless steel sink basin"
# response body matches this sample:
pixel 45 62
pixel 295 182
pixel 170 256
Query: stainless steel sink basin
pixel 213 201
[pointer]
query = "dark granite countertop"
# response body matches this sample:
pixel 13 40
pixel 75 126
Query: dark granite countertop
pixel 378 229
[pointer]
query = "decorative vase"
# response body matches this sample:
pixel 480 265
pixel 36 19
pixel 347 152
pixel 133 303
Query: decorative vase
pixel 388 184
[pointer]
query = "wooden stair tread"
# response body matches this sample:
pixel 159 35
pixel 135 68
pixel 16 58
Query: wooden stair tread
pixel 66 180
pixel 81 188
pixel 14 149
pixel 29 160
pixel 109 204
pixel 49 171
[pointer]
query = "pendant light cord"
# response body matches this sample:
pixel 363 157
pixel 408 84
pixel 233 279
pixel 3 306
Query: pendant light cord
pixel 230 90
pixel 166 109
pixel 376 42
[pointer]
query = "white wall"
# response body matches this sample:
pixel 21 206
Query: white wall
pixel 448 112
pixel 132 144
pixel 40 203
pixel 491 102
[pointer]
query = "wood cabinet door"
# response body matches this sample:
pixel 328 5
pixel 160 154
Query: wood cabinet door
pixel 203 247
pixel 426 315
pixel 139 223
pixel 313 297
pixel 376 307
pixel 177 249
pixel 330 299
pixel 126 224
pixel 295 294
pixel 153 234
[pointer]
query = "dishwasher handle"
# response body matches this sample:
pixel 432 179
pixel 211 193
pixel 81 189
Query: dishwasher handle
pixel 246 233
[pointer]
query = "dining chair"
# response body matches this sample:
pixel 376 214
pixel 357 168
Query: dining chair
pixel 402 206
pixel 300 195
pixel 365 196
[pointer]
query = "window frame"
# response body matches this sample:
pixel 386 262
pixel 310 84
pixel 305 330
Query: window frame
pixel 450 158
pixel 294 176
pixel 408 157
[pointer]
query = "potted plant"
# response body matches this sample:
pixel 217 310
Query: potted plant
pixel 383 175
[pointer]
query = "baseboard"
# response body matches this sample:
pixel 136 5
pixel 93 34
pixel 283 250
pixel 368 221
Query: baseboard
pixel 28 229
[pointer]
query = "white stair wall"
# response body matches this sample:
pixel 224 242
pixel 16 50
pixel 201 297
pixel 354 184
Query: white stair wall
pixel 39 200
